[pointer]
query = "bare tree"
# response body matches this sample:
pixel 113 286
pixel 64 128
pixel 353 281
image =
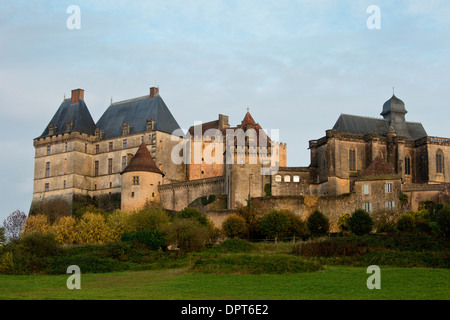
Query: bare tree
pixel 13 225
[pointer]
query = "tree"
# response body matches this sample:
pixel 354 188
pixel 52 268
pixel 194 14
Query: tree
pixel 2 236
pixel 235 226
pixel 13 225
pixel 318 224
pixel 275 224
pixel 360 222
pixel 443 220
pixel 37 223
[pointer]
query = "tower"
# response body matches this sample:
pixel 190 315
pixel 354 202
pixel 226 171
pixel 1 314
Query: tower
pixel 140 181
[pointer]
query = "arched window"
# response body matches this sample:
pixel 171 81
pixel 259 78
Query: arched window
pixel 277 178
pixel 439 161
pixel 352 159
pixel 287 178
pixel 296 178
pixel 408 165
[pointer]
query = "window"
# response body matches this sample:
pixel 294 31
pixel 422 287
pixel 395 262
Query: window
pixel 64 184
pixel 47 169
pixel 47 187
pixel 439 162
pixel 388 187
pixel 296 179
pixel 136 180
pixel 124 162
pixel 49 149
pixel 142 139
pixel 110 147
pixel 69 126
pixel 96 166
pixel 66 147
pixel 148 124
pixel 51 129
pixel 287 178
pixel 352 160
pixel 97 148
pixel 153 194
pixel 132 194
pixel 110 185
pixel 125 129
pixel 367 206
pixel 65 166
pixel 95 187
pixel 277 178
pixel 366 189
pixel 85 148
pixel 389 205
pixel 124 144
pixel 408 165
pixel 110 166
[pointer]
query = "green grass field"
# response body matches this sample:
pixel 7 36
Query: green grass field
pixel 333 283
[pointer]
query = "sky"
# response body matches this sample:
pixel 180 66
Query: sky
pixel 297 65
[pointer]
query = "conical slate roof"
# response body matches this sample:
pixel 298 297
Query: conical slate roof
pixel 142 161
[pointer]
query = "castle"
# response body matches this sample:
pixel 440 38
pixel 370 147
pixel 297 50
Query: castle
pixel 137 153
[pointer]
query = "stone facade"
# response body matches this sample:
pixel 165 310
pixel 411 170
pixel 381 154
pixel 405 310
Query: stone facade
pixel 360 163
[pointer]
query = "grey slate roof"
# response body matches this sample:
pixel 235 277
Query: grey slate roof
pixel 77 113
pixel 135 112
pixel 363 125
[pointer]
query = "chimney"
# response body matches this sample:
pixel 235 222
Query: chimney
pixel 154 91
pixel 77 95
pixel 223 122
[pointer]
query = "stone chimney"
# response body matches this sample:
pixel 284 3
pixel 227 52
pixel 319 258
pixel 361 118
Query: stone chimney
pixel 77 95
pixel 223 122
pixel 154 91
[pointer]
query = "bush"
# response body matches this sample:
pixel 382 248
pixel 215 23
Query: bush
pixel 234 226
pixel 343 223
pixel 148 219
pixel 151 238
pixel 360 222
pixel 235 246
pixel 36 223
pixel 318 224
pixel 39 244
pixel 188 234
pixel 385 220
pixel 192 213
pixel 6 263
pixel 275 224
pixel 64 230
pixel 329 248
pixel 92 229
pixel 443 220
pixel 297 227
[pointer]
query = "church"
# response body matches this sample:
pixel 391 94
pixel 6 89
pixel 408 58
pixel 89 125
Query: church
pixel 126 159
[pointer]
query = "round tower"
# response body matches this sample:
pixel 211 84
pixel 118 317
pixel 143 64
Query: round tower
pixel 140 181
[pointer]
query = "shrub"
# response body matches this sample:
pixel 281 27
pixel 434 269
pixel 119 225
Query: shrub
pixel 360 222
pixel 187 234
pixel 64 230
pixel 192 213
pixel 234 226
pixel 36 223
pixel 151 238
pixel 268 190
pixel 39 244
pixel 406 223
pixel 6 263
pixel 235 246
pixel 275 224
pixel 148 219
pixel 329 248
pixel 118 223
pixel 318 224
pixel 52 209
pixel 343 223
pixel 443 220
pixel 385 220
pixel 92 229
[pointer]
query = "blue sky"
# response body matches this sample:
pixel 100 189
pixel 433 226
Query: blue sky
pixel 296 64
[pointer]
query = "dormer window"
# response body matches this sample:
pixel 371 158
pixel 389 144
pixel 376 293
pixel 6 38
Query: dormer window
pixel 69 126
pixel 98 134
pixel 125 129
pixel 51 129
pixel 149 124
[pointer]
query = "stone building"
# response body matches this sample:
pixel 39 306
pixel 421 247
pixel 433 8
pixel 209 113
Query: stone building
pixel 137 153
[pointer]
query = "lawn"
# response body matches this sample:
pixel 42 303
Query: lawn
pixel 333 283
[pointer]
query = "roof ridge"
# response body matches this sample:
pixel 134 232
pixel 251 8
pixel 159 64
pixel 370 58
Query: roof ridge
pixel 130 100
